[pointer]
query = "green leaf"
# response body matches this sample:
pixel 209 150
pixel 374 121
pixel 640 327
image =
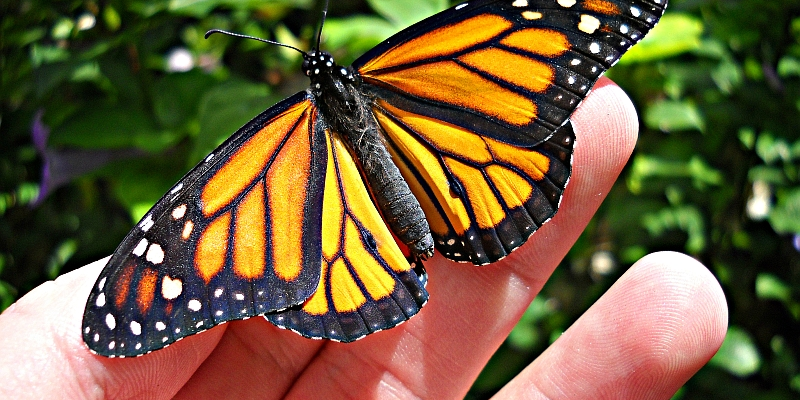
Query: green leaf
pixel 675 34
pixel 177 96
pixel 224 109
pixel 785 216
pixel 403 13
pixel 685 218
pixel 672 115
pixel 356 34
pixel 738 354
pixel 770 287
pixel 105 127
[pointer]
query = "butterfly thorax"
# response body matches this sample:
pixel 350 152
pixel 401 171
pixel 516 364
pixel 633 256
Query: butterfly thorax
pixel 347 112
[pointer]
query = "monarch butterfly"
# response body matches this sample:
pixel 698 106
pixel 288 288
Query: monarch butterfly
pixel 453 134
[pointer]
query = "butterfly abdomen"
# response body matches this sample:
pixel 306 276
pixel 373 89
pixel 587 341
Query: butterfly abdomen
pixel 348 113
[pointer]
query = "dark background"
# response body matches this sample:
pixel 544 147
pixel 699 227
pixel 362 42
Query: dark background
pixel 99 120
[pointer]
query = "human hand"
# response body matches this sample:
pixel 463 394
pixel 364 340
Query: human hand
pixel 654 329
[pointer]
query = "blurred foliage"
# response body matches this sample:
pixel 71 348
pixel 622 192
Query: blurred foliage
pixel 106 104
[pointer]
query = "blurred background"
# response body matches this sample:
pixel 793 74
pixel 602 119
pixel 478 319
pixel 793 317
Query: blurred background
pixel 105 104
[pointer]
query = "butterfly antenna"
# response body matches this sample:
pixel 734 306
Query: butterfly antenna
pixel 213 31
pixel 321 24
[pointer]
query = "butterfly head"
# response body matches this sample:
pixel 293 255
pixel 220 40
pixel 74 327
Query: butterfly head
pixel 322 69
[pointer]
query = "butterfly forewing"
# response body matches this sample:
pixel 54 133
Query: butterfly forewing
pixel 223 243
pixel 472 100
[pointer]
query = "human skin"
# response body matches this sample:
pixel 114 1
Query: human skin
pixel 660 323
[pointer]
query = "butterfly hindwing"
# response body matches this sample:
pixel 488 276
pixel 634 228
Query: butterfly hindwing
pixel 238 236
pixel 474 102
pixel 367 284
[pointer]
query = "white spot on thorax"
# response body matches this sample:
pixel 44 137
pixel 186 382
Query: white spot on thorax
pixel 160 326
pixel 194 305
pixel 101 300
pixel 155 254
pixel 566 3
pixel 171 288
pixel 136 328
pixel 178 212
pixel 111 322
pixel 140 248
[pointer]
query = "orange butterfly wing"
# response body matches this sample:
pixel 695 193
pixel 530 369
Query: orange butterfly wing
pixel 238 236
pixel 475 103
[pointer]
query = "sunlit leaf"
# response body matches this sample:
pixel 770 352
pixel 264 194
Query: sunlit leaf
pixel 738 354
pixel 675 34
pixel 672 115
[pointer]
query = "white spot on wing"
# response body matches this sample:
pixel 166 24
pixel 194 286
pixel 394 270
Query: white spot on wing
pixel 532 15
pixel 155 254
pixel 101 300
pixel 594 48
pixel 462 5
pixel 588 24
pixel 111 345
pixel 176 189
pixel 102 283
pixel 136 328
pixel 520 3
pixel 187 230
pixel 239 296
pixel 566 3
pixel 218 292
pixel 195 305
pixel 160 326
pixel 171 288
pixel 111 322
pixel 635 11
pixel 178 212
pixel 146 223
pixel 140 248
